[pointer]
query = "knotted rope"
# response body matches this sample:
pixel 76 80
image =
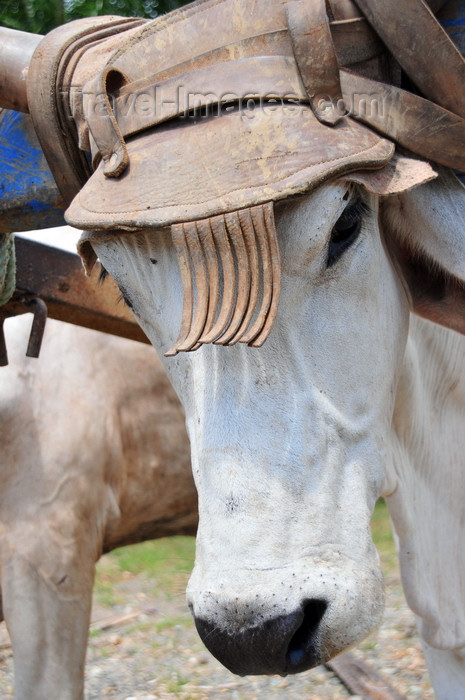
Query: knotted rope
pixel 7 267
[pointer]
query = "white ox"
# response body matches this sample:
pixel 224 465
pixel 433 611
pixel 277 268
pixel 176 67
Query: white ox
pixel 94 455
pixel 350 398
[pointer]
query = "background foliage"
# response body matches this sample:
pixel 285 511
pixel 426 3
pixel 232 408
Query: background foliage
pixel 40 16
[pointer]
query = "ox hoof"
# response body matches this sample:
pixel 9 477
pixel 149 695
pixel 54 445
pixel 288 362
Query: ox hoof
pixel 282 645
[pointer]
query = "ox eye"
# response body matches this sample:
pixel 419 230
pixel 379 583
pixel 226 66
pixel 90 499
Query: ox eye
pixel 345 230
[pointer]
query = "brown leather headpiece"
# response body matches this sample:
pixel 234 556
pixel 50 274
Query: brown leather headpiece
pixel 201 119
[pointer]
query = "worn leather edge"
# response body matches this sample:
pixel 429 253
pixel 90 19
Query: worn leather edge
pixel 67 163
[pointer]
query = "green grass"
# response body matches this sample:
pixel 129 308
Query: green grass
pixel 166 562
pixel 168 622
pixel 382 537
pixel 105 591
pixel 177 682
pixel 157 558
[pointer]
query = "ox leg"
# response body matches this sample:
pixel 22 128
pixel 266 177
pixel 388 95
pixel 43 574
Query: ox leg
pixel 447 672
pixel 48 623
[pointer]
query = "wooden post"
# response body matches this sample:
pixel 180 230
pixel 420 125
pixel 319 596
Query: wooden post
pixel 16 49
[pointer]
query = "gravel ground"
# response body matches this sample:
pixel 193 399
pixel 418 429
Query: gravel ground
pixel 143 646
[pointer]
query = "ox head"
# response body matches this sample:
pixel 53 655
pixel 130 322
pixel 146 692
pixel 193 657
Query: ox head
pixel 290 440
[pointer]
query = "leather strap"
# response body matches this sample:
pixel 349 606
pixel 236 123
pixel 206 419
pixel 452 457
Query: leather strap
pixel 315 57
pixel 422 47
pixel 268 60
pixel 355 41
pixel 112 120
pixel 412 121
pixel 47 96
pixel 103 125
pixel 347 9
pixel 265 67
pixel 343 9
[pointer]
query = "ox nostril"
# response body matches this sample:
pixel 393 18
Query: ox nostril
pixel 289 643
pixel 302 645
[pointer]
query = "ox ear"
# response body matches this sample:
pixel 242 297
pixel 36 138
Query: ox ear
pixel 424 230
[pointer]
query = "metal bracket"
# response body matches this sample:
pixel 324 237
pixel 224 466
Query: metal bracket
pixel 38 308
pixel 51 282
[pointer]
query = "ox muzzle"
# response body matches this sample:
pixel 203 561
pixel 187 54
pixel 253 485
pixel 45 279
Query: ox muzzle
pixel 282 645
pixel 288 619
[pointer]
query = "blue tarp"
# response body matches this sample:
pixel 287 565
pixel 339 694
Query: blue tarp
pixel 29 198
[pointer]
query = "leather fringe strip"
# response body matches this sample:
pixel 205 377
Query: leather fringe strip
pixel 231 274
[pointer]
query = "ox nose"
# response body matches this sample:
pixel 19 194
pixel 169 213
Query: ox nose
pixel 282 645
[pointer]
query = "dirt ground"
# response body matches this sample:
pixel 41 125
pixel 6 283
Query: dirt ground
pixel 143 646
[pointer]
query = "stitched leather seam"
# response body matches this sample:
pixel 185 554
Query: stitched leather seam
pixel 239 189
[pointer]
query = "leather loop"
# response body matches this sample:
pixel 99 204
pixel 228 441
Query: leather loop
pixel 103 124
pixel 49 87
pixel 316 58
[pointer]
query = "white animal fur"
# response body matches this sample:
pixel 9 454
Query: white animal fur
pixel 292 443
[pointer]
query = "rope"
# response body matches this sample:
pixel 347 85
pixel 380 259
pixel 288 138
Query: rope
pixel 7 267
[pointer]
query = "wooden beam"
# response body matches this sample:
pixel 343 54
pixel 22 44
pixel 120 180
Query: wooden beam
pixel 58 279
pixel 362 679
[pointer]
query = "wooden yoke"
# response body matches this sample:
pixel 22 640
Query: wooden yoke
pixel 16 51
